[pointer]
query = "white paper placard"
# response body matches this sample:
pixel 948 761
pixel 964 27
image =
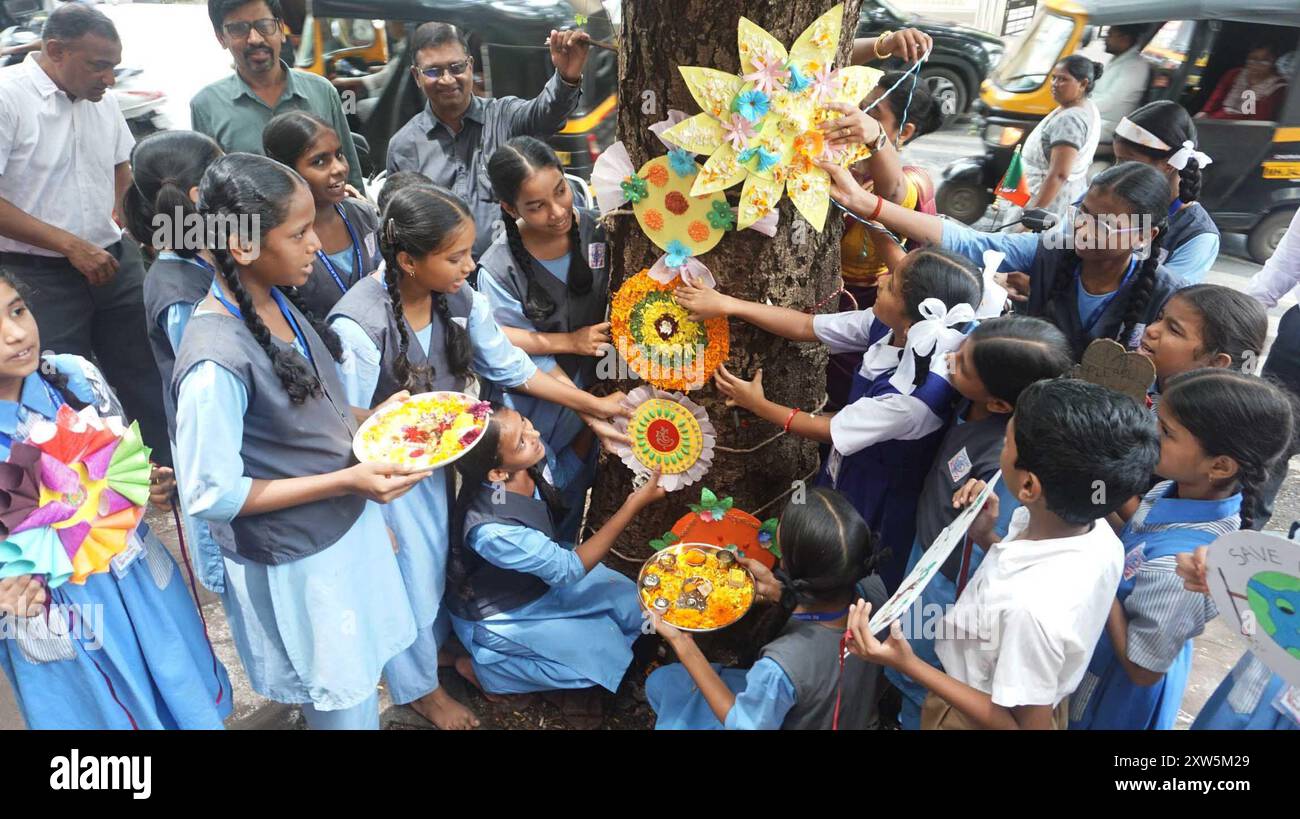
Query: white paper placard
pixel 928 566
pixel 1254 579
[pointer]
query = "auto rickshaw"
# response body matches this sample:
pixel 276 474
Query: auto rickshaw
pixel 507 40
pixel 1253 187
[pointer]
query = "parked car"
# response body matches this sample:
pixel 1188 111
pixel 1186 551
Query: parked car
pixel 961 59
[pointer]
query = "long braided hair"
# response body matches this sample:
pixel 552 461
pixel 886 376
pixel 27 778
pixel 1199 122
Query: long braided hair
pixel 509 168
pixel 240 187
pixel 1249 419
pixel 419 220
pixel 164 167
pixel 1170 122
pixel 1147 194
pixel 826 548
pixel 474 468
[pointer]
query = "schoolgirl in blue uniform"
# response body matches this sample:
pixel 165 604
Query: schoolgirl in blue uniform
pixel 547 280
pixel 264 432
pixel 166 170
pixel 533 614
pixel 420 328
pixel 1251 697
pixel 1205 325
pixel 1162 135
pixel 1220 434
pixel 996 362
pixel 130 651
pixel 826 560
pixel 345 225
pixel 1098 276
pixel 884 440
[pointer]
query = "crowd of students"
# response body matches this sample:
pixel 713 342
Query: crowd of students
pixel 1065 607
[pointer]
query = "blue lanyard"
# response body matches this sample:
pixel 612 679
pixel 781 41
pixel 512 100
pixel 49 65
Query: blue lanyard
pixel 819 616
pixel 284 310
pixel 197 260
pixel 1174 207
pixel 1101 308
pixel 356 254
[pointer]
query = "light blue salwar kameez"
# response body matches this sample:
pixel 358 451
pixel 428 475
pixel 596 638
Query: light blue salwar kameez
pixel 558 425
pixel 419 519
pixel 576 635
pixel 315 631
pixel 764 696
pixel 204 553
pixel 126 650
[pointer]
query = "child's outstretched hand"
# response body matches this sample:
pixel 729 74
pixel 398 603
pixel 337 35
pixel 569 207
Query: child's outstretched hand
pixel 767 589
pixel 670 633
pixel 846 190
pixel 643 496
pixel 739 392
pixel 1192 568
pixel 893 652
pixel 611 406
pixel 162 483
pixel 981 529
pixel 400 395
pixel 702 302
pixel 610 436
pixel 383 483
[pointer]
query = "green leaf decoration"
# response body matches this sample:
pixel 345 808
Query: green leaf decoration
pixel 661 543
pixel 580 19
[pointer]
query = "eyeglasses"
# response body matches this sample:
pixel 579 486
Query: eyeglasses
pixel 1107 227
pixel 267 27
pixel 434 72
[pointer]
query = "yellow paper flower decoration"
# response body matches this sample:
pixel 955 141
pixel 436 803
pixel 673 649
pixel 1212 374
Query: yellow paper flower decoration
pixel 762 127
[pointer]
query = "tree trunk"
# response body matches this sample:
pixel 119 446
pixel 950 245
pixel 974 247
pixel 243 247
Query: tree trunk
pixel 797 268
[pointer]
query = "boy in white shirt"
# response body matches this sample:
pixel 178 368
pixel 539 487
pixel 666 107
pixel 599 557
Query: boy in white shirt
pixel 1019 638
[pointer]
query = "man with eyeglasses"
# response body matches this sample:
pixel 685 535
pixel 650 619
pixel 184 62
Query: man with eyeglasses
pixel 451 139
pixel 233 111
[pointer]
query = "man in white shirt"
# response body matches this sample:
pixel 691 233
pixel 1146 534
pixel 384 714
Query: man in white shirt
pixel 1280 276
pixel 64 151
pixel 1121 87
pixel 1018 641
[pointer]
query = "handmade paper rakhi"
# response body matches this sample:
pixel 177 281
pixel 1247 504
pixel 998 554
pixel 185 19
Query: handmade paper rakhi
pixel 659 340
pixel 715 521
pixel 92 477
pixel 670 434
pixel 763 127
pixel 682 225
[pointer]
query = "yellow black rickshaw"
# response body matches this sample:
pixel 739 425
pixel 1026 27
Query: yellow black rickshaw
pixel 1253 187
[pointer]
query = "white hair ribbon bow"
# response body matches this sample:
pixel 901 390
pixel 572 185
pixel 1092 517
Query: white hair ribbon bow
pixel 933 335
pixel 1179 160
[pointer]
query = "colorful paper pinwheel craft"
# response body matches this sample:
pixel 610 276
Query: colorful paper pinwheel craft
pixel 91 477
pixel 763 127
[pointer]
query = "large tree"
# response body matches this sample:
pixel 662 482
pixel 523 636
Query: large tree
pixel 797 268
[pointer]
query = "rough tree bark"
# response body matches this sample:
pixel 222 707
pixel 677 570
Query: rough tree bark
pixel 798 268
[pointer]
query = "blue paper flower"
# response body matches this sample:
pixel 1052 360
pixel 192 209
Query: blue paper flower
pixel 678 253
pixel 752 105
pixel 765 158
pixel 797 81
pixel 681 161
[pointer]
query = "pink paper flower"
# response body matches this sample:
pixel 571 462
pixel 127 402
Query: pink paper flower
pixel 824 80
pixel 738 132
pixel 769 74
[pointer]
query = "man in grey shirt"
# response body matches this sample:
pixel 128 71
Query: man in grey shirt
pixel 451 140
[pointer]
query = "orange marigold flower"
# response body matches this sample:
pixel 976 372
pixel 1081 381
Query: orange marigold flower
pixel 658 175
pixel 716 348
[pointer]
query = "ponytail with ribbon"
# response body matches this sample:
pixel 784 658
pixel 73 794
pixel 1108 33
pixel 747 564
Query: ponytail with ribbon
pixel 935 334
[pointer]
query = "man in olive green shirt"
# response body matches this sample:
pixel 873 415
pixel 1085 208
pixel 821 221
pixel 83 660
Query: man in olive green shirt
pixel 234 111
